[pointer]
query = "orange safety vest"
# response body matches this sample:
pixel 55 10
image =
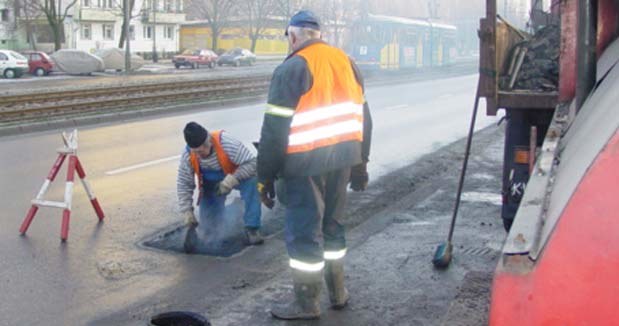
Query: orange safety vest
pixel 331 112
pixel 226 164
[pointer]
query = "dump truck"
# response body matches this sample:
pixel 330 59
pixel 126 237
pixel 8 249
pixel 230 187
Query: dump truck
pixel 560 260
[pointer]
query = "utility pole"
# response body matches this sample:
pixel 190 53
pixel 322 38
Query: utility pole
pixel 155 5
pixel 127 14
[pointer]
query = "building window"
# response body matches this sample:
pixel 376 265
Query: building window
pixel 148 32
pixel 179 5
pixel 168 5
pixel 110 4
pixel 5 15
pixel 86 32
pixel 85 3
pixel 168 32
pixel 132 32
pixel 108 31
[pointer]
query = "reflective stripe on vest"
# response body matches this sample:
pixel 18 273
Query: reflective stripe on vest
pixel 331 112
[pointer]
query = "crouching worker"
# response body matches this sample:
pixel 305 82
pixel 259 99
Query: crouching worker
pixel 220 164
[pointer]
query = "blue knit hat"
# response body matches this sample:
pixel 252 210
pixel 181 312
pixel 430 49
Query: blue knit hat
pixel 305 19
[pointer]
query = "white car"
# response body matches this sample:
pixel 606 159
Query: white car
pixel 12 64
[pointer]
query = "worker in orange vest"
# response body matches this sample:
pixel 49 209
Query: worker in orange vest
pixel 220 164
pixel 316 136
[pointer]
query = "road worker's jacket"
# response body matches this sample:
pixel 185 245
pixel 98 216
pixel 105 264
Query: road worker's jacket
pixel 317 119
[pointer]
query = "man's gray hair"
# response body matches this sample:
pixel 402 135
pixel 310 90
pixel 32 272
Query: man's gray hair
pixel 303 33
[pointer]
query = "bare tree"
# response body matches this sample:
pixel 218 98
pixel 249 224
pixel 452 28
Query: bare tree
pixel 215 12
pixel 257 13
pixel 55 15
pixel 119 4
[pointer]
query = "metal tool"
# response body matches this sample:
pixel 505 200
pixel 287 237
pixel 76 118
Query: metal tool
pixel 443 253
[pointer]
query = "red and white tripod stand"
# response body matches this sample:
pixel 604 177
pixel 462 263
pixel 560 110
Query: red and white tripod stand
pixel 69 150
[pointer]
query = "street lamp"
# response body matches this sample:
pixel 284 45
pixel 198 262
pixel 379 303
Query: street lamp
pixel 154 5
pixel 127 18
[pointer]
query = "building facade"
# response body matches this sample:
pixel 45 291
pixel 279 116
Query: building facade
pixel 97 24
pixel 154 24
pixel 8 26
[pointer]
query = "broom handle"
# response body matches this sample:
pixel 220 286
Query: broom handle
pixel 464 164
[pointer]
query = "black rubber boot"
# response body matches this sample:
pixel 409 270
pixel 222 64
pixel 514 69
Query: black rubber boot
pixel 306 303
pixel 334 277
pixel 253 237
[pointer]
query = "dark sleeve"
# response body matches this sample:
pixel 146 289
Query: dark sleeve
pixel 367 118
pixel 289 82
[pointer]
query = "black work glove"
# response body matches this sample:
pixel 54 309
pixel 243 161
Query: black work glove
pixel 267 193
pixel 359 177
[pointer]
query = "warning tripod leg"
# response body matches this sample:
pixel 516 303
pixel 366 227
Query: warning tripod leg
pixel 68 195
pixel 34 208
pixel 91 194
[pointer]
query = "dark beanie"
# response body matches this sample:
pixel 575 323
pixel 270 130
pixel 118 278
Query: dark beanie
pixel 195 134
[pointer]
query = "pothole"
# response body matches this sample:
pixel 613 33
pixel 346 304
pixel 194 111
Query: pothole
pixel 221 236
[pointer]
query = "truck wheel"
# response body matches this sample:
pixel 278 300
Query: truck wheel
pixel 211 65
pixel 9 73
pixel 177 66
pixel 39 72
pixel 193 66
pixel 507 224
pixel 237 63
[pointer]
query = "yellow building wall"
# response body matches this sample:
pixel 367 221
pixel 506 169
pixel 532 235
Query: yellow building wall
pixel 272 43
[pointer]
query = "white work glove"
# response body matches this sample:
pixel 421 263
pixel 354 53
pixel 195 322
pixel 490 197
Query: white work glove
pixel 190 218
pixel 227 184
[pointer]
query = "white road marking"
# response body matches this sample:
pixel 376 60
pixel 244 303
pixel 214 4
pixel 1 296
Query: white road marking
pixel 445 96
pixel 143 165
pixel 395 107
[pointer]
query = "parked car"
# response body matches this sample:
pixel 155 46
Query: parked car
pixel 195 59
pixel 39 63
pixel 12 64
pixel 237 57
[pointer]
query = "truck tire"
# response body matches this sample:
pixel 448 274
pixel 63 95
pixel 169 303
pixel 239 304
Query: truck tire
pixel 177 66
pixel 193 65
pixel 237 63
pixel 507 223
pixel 9 74
pixel 211 65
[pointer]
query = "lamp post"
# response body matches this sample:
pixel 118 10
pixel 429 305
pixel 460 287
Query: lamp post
pixel 127 14
pixel 154 5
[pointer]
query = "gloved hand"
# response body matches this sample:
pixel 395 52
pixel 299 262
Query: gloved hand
pixel 267 193
pixel 226 185
pixel 190 219
pixel 359 177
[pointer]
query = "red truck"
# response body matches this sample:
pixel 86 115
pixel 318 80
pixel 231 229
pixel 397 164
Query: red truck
pixel 560 261
pixel 195 58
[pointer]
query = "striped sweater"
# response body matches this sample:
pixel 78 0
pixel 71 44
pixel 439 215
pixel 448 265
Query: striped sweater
pixel 238 153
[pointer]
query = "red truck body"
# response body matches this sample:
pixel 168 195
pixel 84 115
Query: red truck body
pixel 560 261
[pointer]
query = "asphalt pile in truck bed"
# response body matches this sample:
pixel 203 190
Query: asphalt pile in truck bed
pixel 534 63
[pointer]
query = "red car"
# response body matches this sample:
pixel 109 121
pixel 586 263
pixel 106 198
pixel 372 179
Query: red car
pixel 39 63
pixel 195 59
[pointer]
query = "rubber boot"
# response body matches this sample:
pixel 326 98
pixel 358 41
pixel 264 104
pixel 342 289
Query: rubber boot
pixel 253 237
pixel 306 303
pixel 334 277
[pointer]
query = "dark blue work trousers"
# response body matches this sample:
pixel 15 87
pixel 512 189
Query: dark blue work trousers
pixel 314 215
